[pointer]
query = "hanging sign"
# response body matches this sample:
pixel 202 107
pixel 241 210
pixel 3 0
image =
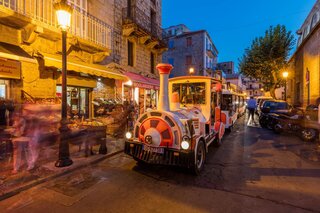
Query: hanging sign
pixel 10 69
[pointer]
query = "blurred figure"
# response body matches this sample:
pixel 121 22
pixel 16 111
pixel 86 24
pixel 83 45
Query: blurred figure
pixel 25 132
pixel 251 106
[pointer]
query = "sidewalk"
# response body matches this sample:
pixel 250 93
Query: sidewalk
pixel 11 184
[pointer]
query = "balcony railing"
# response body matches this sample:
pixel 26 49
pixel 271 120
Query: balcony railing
pixel 140 18
pixel 83 24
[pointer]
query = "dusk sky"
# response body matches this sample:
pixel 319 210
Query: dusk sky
pixel 233 24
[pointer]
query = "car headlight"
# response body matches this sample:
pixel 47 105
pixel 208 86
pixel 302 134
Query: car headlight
pixel 128 135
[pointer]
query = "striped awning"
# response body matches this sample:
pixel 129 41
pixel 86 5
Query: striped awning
pixel 142 81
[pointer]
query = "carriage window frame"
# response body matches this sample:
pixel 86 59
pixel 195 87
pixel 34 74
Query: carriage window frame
pixel 196 93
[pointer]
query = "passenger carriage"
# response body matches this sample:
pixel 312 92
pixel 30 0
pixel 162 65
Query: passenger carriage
pixel 232 107
pixel 187 121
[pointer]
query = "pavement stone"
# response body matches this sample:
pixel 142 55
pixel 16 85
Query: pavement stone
pixel 12 184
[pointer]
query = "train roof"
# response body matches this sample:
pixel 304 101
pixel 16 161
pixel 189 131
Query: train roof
pixel 194 77
pixel 228 92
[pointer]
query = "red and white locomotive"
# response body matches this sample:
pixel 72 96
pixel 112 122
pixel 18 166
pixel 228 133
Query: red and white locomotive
pixel 179 133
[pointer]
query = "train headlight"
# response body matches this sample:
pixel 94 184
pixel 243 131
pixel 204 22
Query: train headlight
pixel 128 135
pixel 185 145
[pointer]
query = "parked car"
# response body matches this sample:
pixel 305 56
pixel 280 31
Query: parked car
pixel 273 107
pixel 260 101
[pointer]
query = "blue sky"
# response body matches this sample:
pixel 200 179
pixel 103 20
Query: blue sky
pixel 233 24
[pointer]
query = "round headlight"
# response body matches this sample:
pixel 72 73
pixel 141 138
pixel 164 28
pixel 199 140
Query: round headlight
pixel 185 145
pixel 128 135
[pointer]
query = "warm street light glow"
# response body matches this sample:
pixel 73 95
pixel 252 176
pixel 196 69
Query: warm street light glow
pixel 191 70
pixel 285 74
pixel 64 19
pixel 63 11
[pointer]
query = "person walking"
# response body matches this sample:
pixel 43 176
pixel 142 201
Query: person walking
pixel 251 106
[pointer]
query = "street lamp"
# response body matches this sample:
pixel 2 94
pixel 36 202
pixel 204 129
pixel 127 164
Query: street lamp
pixel 191 70
pixel 285 76
pixel 63 11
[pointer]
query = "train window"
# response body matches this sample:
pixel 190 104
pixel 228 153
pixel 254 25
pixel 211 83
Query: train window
pixel 226 102
pixel 191 93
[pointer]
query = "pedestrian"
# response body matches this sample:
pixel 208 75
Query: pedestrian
pixel 251 106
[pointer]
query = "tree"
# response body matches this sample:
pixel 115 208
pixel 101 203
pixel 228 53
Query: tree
pixel 267 57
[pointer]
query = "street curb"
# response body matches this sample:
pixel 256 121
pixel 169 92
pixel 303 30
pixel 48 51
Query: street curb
pixel 59 174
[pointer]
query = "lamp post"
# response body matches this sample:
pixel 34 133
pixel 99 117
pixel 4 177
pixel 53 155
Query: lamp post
pixel 191 71
pixel 285 76
pixel 63 12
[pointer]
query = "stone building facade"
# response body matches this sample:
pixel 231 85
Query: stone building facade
pixel 226 67
pixel 97 52
pixel 303 86
pixel 190 49
pixel 253 87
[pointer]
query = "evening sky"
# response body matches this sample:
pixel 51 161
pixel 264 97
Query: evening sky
pixel 233 24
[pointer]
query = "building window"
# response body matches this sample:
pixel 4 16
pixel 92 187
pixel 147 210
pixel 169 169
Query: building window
pixel 171 44
pixel 171 61
pixel 152 62
pixel 188 60
pixel 250 86
pixel 314 20
pixel 189 41
pixel 130 53
pixel 260 86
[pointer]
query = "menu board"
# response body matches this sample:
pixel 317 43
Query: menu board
pixel 10 69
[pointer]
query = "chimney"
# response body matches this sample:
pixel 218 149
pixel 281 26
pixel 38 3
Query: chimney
pixel 164 71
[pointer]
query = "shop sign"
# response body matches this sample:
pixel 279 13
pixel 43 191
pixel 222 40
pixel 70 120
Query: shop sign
pixel 10 69
pixel 144 86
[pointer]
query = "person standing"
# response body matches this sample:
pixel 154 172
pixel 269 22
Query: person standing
pixel 251 106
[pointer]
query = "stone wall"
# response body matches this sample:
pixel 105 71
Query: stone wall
pixel 180 51
pixel 307 57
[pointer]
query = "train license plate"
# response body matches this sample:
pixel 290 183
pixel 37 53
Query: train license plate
pixel 153 149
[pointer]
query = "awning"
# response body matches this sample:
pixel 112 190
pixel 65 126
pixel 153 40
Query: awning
pixel 142 81
pixel 77 66
pixel 14 52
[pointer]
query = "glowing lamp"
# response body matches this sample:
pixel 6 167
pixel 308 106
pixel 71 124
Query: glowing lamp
pixel 285 74
pixel 63 12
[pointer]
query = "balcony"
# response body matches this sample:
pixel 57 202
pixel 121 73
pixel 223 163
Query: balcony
pixel 21 13
pixel 136 23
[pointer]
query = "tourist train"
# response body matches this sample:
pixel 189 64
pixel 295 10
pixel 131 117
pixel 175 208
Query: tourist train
pixel 188 119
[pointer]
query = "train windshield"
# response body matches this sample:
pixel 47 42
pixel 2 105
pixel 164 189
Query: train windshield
pixel 190 93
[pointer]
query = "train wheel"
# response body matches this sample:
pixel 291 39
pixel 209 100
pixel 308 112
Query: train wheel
pixel 200 158
pixel 217 141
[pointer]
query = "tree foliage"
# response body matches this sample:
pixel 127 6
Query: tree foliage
pixel 268 56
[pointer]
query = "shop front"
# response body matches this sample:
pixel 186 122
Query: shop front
pixel 85 83
pixel 143 91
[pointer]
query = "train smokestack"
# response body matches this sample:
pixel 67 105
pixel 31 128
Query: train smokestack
pixel 164 71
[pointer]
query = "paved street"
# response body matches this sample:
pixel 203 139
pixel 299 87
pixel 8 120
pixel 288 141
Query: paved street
pixel 253 171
